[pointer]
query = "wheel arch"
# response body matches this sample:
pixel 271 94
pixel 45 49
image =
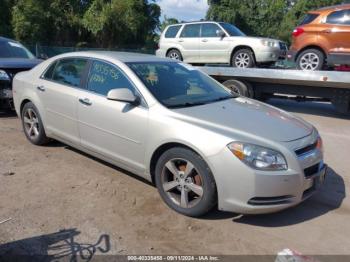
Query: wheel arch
pixel 24 101
pixel 310 47
pixel 172 48
pixel 163 148
pixel 242 47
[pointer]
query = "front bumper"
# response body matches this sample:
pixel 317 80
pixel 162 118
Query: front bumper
pixel 272 55
pixel 6 97
pixel 244 190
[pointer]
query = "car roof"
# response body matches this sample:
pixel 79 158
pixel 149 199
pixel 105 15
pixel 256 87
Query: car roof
pixel 334 7
pixel 4 39
pixel 125 57
pixel 196 22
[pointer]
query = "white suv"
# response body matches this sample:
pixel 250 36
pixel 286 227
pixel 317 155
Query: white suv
pixel 213 42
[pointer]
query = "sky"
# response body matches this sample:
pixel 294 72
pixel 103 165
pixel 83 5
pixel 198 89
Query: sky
pixel 184 10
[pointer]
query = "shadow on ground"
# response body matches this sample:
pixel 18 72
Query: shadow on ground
pixel 329 198
pixel 53 247
pixel 8 114
pixel 311 108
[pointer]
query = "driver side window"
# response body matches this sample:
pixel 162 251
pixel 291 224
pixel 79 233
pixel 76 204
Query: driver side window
pixel 210 30
pixel 104 77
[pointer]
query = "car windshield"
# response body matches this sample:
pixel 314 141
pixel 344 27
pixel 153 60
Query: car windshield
pixel 178 85
pixel 232 30
pixel 14 50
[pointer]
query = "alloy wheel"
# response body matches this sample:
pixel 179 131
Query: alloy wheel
pixel 242 60
pixel 182 183
pixel 174 55
pixel 309 61
pixel 31 124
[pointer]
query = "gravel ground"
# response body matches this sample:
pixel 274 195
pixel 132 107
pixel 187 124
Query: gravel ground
pixel 62 201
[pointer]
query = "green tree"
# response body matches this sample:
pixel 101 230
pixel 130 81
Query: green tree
pixel 54 21
pixel 116 23
pixel 270 18
pixel 5 17
pixel 30 20
pixel 168 21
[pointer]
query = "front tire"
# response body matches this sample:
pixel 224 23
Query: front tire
pixel 243 58
pixel 185 182
pixel 32 125
pixel 310 60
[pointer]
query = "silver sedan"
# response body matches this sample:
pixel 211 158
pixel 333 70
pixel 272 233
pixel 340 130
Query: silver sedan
pixel 201 145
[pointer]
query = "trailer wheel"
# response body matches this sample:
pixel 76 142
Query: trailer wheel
pixel 240 88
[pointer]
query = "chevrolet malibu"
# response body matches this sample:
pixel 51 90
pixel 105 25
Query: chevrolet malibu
pixel 201 145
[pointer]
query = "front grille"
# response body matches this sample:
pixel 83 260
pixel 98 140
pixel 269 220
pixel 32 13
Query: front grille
pixel 306 149
pixel 283 46
pixel 312 170
pixel 269 201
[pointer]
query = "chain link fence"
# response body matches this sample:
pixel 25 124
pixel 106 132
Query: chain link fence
pixel 50 51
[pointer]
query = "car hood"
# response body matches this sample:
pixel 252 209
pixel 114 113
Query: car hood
pixel 247 117
pixel 23 63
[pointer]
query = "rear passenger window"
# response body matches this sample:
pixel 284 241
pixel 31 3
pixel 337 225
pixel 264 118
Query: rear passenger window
pixel 104 77
pixel 309 18
pixel 339 18
pixel 191 30
pixel 69 71
pixel 172 31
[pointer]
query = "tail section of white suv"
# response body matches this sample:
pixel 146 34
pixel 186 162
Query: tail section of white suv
pixel 214 42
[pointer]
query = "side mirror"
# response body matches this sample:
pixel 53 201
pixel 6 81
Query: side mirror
pixel 220 33
pixel 42 56
pixel 123 95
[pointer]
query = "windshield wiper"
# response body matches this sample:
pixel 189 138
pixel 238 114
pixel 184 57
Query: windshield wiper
pixel 222 98
pixel 188 104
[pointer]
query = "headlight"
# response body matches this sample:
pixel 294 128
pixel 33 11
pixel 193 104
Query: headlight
pixel 4 76
pixel 319 144
pixel 258 157
pixel 268 43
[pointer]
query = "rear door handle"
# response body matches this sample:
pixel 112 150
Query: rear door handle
pixel 180 40
pixel 41 88
pixel 85 101
pixel 204 40
pixel 327 31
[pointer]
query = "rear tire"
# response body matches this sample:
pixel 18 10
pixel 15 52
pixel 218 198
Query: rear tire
pixel 311 60
pixel 175 54
pixel 243 58
pixel 32 125
pixel 185 182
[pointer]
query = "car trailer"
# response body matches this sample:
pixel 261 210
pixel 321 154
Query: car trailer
pixel 261 84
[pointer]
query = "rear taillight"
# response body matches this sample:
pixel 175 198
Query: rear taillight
pixel 298 31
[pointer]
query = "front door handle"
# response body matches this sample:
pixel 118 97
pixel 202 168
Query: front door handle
pixel 41 88
pixel 327 31
pixel 85 101
pixel 204 40
pixel 180 40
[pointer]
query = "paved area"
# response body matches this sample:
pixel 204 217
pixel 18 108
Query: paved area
pixel 60 200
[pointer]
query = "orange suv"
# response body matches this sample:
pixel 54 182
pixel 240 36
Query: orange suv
pixel 322 38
